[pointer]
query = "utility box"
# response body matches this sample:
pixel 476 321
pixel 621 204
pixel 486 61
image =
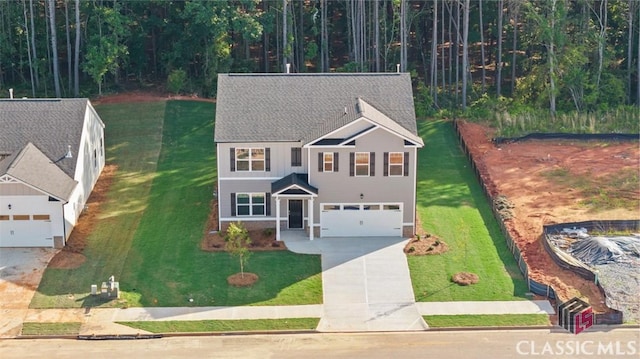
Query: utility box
pixel 94 289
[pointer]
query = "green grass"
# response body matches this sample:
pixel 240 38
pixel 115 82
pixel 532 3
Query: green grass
pixel 498 320
pixel 601 194
pixel 451 205
pixel 65 328
pixel 225 325
pixel 154 220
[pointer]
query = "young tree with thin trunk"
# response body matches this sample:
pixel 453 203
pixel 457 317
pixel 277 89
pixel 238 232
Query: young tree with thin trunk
pixel 514 11
pixel 433 84
pixel 26 27
pixel 67 31
pixel 482 57
pixel 465 52
pixel 76 63
pixel 499 55
pixel 33 46
pixel 54 47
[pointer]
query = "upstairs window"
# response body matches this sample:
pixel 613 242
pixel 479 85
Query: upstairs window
pixel 250 159
pixel 362 164
pixel 328 162
pixel 396 163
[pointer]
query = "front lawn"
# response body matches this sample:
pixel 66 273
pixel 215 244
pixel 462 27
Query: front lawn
pixel 194 326
pixel 153 221
pixel 451 205
pixel 486 320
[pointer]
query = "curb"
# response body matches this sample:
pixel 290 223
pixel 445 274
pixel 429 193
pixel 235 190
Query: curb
pixel 602 327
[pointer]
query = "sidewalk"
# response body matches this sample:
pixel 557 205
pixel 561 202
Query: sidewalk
pixel 99 321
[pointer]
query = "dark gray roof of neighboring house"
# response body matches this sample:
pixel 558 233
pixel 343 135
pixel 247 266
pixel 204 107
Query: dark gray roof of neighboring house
pixel 31 166
pixel 303 107
pixel 51 124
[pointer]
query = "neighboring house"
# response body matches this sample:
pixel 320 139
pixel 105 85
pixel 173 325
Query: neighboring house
pixel 334 153
pixel 51 155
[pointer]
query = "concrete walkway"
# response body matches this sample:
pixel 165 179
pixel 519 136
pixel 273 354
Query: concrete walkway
pixel 365 282
pixel 103 321
pixel 366 288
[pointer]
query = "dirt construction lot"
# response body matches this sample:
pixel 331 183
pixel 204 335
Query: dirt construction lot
pixel 555 181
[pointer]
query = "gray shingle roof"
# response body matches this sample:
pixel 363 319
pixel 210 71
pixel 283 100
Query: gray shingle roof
pixel 50 124
pixel 303 107
pixel 31 166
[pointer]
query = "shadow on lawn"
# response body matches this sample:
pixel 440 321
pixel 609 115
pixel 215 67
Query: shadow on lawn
pixel 445 178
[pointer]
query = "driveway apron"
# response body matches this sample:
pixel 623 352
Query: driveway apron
pixel 366 285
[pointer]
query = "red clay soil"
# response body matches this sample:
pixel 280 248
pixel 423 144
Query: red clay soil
pixel 71 255
pixel 515 170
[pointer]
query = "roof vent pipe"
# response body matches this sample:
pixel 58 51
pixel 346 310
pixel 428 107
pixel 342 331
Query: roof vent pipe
pixel 11 93
pixel 69 154
pixel 288 68
pixel 398 68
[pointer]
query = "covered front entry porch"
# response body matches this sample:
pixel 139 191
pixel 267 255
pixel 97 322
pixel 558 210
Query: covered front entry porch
pixel 292 194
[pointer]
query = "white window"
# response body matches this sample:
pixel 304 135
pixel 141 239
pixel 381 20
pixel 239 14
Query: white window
pixel 250 159
pixel 327 160
pixel 362 164
pixel 396 163
pixel 250 204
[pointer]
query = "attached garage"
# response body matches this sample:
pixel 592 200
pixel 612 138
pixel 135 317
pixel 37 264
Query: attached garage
pixel 26 230
pixel 361 219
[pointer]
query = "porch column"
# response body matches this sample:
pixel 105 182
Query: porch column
pixel 277 218
pixel 310 221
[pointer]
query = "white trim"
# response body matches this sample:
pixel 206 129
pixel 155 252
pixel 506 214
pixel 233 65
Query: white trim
pixel 250 219
pixel 294 196
pixel 16 180
pixel 219 190
pixel 325 162
pixel 355 164
pixel 389 164
pixel 279 193
pixel 415 179
pixel 250 160
pixel 326 135
pixel 251 204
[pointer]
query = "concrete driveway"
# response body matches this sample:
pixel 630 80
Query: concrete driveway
pixel 21 270
pixel 366 283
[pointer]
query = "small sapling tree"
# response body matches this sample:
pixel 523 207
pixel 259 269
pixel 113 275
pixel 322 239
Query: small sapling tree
pixel 237 243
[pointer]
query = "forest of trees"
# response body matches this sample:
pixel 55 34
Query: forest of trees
pixel 559 55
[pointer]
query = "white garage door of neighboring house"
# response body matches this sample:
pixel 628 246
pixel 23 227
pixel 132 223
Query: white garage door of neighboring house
pixel 24 230
pixel 360 220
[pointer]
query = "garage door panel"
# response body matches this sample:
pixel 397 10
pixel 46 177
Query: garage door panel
pixel 356 220
pixel 24 231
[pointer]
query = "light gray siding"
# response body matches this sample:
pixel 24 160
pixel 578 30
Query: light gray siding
pixel 340 187
pixel 280 158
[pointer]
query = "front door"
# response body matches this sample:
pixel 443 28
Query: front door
pixel 295 213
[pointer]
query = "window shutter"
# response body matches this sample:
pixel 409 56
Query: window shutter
pixel 296 156
pixel 267 159
pixel 267 204
pixel 372 164
pixel 233 159
pixel 406 163
pixel 352 165
pixel 320 167
pixel 385 161
pixel 335 162
pixel 233 205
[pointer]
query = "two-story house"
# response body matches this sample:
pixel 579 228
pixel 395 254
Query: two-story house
pixel 333 154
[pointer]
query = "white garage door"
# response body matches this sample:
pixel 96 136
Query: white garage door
pixel 24 230
pixel 360 220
